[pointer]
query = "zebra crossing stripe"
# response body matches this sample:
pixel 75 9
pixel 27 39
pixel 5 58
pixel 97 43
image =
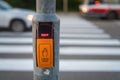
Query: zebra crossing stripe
pixel 65 65
pixel 90 51
pixel 25 49
pixel 12 49
pixel 65 35
pixel 108 42
pixel 90 36
pixel 15 33
pixel 82 31
pixel 75 26
pixel 117 22
pixel 15 40
pixel 65 20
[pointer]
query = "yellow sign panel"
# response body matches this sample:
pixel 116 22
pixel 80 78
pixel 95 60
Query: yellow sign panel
pixel 44 53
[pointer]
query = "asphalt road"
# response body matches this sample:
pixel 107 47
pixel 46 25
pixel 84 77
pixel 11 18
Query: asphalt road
pixel 111 27
pixel 89 50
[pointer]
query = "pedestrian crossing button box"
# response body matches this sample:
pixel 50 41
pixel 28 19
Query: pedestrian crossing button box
pixel 45 45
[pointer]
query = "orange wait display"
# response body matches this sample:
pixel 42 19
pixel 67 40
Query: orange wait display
pixel 44 53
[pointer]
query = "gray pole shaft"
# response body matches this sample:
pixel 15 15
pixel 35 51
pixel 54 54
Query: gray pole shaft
pixel 65 6
pixel 46 6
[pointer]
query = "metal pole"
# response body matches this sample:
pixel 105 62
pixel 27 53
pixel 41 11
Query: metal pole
pixel 65 6
pixel 46 6
pixel 46 41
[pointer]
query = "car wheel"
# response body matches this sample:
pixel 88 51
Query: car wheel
pixel 112 15
pixel 17 26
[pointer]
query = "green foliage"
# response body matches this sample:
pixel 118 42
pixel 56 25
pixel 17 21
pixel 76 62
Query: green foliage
pixel 73 5
pixel 31 4
pixel 27 4
pixel 59 5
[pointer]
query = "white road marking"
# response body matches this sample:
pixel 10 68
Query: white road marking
pixel 68 20
pixel 64 41
pixel 16 33
pixel 90 51
pixel 73 20
pixel 77 25
pixel 15 40
pixel 90 36
pixel 82 31
pixel 89 42
pixel 68 27
pixel 12 49
pixel 65 65
pixel 66 35
pixel 117 22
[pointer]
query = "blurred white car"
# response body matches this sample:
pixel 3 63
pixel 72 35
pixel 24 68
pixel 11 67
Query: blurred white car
pixel 101 8
pixel 17 20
